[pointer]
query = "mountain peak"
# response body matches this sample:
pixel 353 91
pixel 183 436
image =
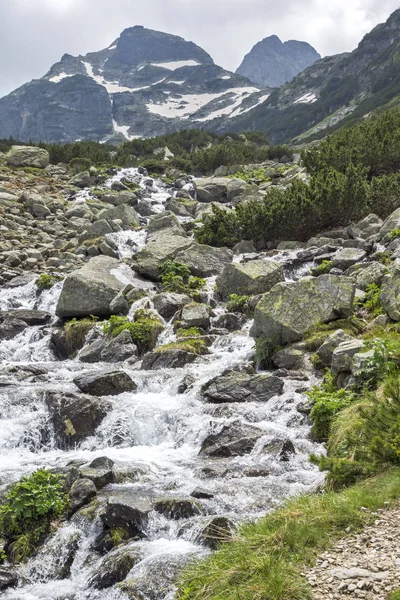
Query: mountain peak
pixel 138 45
pixel 272 63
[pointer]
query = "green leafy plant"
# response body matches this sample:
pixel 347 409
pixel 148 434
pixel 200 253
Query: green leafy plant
pixel 189 332
pixel 323 268
pixel 46 281
pixel 326 405
pixel 176 277
pixel 144 330
pixel 394 234
pixel 372 300
pixel 237 303
pixel 376 367
pixel 30 506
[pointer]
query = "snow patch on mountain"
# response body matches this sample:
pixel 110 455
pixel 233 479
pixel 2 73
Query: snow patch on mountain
pixel 308 98
pixel 184 106
pixel 177 64
pixel 60 77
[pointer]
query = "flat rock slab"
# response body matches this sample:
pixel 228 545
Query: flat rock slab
pixel 240 387
pixel 105 383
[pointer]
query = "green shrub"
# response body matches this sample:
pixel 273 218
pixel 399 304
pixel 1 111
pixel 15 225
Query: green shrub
pixel 372 300
pixel 189 332
pixel 144 330
pixel 327 404
pixel 175 277
pixel 237 303
pixel 395 595
pixel 364 436
pixel 46 281
pixel 384 258
pixel 394 234
pixel 77 165
pixel 376 367
pixel 323 268
pixel 28 510
pixel 76 331
pixel 193 345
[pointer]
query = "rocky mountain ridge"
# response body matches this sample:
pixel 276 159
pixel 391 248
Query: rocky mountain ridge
pixel 146 83
pixel 272 63
pixel 332 91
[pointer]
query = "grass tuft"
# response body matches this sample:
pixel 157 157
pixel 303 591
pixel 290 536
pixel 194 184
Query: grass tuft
pixel 265 560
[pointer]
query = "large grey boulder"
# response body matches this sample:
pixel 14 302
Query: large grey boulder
pixel 125 509
pixel 392 222
pixel 367 274
pixel 126 214
pixel 167 359
pixel 291 309
pixel 390 293
pixel 346 257
pixel 241 387
pixel 110 350
pixel 105 383
pixel 249 278
pixel 221 189
pixel 80 180
pixel 27 156
pixel 235 439
pixel 326 350
pixel 74 417
pixel 205 261
pixel 81 493
pixel 195 315
pixel 168 303
pixel 342 357
pixel 91 289
pixel 165 239
pixel 370 225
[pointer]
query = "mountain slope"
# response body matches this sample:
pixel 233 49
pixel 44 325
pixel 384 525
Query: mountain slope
pixel 272 63
pixel 333 90
pixel 144 84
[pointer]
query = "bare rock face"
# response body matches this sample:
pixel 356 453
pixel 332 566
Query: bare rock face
pixel 272 63
pixel 91 289
pixel 27 156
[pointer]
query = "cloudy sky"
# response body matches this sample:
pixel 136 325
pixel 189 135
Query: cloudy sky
pixel 34 34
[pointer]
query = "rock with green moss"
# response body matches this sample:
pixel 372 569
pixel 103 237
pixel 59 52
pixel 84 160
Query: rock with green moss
pixel 326 350
pixel 91 289
pixel 390 293
pixel 74 417
pixel 250 278
pixel 392 222
pixel 366 274
pixel 166 238
pixel 27 156
pixel 115 566
pixel 290 309
pixel 127 510
pixel 195 315
pixel 346 257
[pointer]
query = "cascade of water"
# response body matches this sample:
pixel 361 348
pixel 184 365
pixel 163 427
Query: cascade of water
pixel 155 433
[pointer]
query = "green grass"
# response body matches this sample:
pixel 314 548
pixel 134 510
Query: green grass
pixel 265 560
pixel 395 595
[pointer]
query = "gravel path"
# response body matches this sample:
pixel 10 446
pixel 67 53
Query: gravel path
pixel 364 565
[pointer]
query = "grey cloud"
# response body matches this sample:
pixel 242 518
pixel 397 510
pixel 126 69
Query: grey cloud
pixel 35 34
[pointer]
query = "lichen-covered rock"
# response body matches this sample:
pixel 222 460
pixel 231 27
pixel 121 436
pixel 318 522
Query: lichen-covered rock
pixel 221 189
pixel 392 222
pixel 27 156
pixel 346 257
pixel 290 357
pixel 165 239
pixel 367 274
pixel 74 417
pixel 250 278
pixel 289 310
pixel 342 357
pixel 390 293
pixel 168 303
pixel 195 315
pixel 326 350
pixel 241 387
pixel 91 289
pixel 205 261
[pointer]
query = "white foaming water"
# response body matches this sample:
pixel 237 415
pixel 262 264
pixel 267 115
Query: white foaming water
pixel 154 437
